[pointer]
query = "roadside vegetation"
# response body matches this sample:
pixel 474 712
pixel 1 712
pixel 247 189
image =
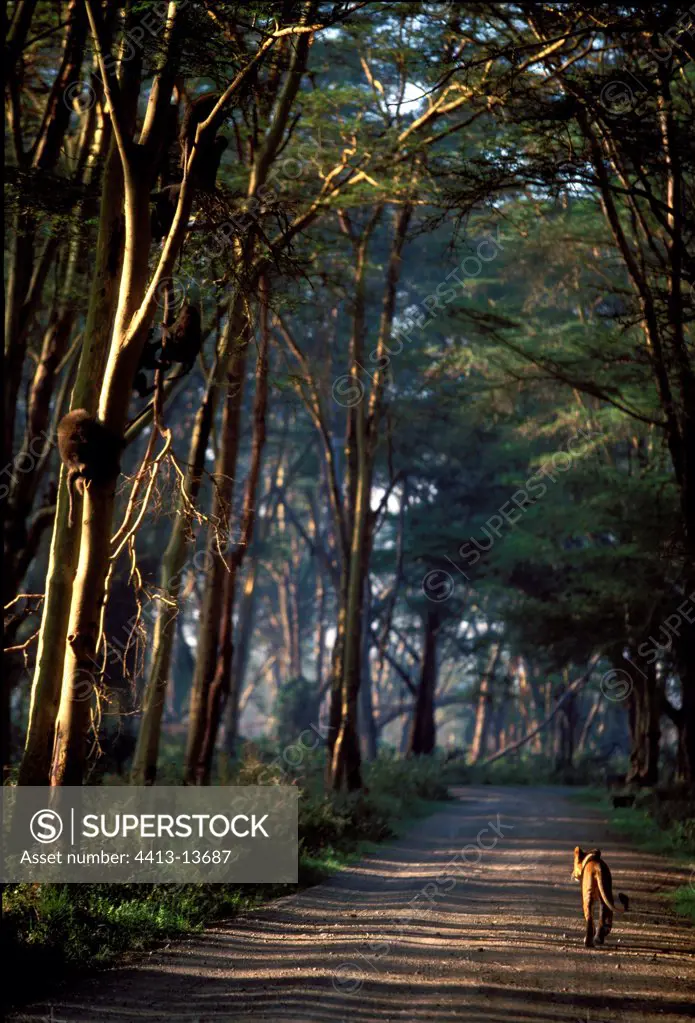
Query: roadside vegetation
pixel 51 932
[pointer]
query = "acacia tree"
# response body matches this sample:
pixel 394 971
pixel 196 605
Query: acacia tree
pixel 47 149
pixel 100 311
pixel 135 308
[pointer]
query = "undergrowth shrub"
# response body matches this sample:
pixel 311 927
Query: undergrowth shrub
pixel 536 769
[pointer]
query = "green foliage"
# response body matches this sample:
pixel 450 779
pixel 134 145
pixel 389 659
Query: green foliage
pixel 419 778
pixel 684 901
pixel 535 769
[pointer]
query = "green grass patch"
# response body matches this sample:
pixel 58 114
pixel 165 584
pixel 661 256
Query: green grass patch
pixel 684 900
pixel 53 932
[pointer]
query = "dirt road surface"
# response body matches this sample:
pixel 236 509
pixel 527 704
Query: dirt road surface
pixel 472 916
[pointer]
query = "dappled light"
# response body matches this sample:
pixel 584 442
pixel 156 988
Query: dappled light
pixel 348 494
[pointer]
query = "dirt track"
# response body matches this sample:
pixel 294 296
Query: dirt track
pixel 404 937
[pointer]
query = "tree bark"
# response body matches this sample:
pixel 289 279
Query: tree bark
pixel 367 724
pixel 345 754
pixel 240 658
pixel 423 735
pixel 65 542
pixel 220 691
pixel 220 522
pixel 363 435
pixel 483 706
pixel 144 770
pixel 135 311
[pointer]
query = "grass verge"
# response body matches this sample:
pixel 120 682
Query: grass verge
pixel 52 933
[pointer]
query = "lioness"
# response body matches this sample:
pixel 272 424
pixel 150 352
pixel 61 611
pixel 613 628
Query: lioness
pixel 597 887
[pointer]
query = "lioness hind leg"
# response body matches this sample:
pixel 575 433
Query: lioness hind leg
pixel 606 925
pixel 588 916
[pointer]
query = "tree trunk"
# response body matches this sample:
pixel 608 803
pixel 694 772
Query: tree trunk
pixel 588 725
pixel 345 765
pixel 368 730
pixel 144 770
pixel 240 659
pixel 36 439
pixel 98 504
pixel 320 629
pixel 65 543
pixel 220 691
pixel 136 308
pixel 335 698
pixel 685 652
pixel 423 734
pixel 363 436
pixel 483 706
pixel 644 715
pixel 220 522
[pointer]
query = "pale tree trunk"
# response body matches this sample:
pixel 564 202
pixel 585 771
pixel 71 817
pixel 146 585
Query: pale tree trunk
pixel 65 542
pixel 293 606
pixel 320 633
pixel 22 494
pixel 247 616
pixel 406 729
pixel 531 687
pixel 527 702
pixel 134 313
pixel 288 613
pixel 23 532
pixel 503 730
pixel 335 693
pixel 588 725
